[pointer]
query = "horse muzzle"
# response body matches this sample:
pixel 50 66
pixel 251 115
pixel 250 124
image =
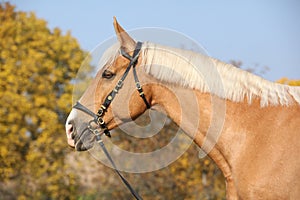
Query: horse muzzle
pixel 78 135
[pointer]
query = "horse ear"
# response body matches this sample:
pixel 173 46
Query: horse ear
pixel 126 42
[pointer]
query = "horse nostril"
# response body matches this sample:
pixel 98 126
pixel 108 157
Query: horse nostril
pixel 72 135
pixel 69 129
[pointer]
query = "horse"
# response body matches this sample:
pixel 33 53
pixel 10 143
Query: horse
pixel 258 141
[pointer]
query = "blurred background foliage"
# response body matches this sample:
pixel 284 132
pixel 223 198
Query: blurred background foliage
pixel 37 66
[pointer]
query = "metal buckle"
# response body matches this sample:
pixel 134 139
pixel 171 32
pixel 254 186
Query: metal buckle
pixel 138 85
pixel 120 84
pixel 100 121
pixel 100 112
pixel 116 89
pixel 91 127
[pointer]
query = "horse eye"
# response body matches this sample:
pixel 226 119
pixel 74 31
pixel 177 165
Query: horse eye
pixel 107 74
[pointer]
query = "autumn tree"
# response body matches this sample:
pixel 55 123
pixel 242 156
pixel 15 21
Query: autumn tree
pixel 289 82
pixel 36 66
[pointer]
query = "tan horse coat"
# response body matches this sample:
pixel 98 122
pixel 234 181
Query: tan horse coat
pixel 257 148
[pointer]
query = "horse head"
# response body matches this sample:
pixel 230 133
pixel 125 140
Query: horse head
pixel 98 105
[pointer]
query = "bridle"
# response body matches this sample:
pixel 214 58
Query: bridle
pixel 101 126
pixel 98 117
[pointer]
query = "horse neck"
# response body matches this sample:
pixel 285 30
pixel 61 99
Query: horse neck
pixel 228 132
pixel 191 110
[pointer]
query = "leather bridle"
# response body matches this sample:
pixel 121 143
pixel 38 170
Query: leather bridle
pixel 98 117
pixel 101 126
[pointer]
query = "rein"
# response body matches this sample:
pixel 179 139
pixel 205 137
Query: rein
pixel 101 126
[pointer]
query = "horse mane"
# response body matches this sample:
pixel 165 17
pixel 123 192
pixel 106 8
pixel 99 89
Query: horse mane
pixel 197 71
pixel 110 55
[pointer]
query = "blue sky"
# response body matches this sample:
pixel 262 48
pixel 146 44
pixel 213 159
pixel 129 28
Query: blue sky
pixel 256 32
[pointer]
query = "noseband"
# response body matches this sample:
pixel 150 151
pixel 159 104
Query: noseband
pixel 101 126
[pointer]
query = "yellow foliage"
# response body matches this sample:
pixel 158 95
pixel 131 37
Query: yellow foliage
pixel 289 82
pixel 36 66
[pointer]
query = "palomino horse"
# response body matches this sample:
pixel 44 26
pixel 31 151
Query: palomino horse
pixel 258 147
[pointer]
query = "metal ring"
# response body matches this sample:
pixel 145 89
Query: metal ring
pixel 100 121
pixel 91 127
pixel 100 112
pixel 138 85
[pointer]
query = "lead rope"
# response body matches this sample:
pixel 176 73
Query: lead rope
pixel 100 142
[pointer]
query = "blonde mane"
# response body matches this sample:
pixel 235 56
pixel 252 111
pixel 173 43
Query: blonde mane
pixel 196 71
